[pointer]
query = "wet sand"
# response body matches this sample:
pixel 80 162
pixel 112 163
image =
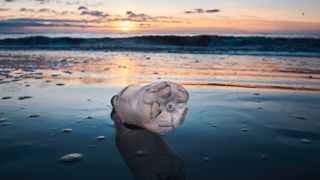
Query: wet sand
pixel 250 117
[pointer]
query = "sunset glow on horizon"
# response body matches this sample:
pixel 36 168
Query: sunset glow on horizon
pixel 133 16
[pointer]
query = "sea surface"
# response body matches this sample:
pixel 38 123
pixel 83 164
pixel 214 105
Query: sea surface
pixel 251 115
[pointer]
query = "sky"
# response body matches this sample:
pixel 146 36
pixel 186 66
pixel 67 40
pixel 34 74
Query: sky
pixel 161 16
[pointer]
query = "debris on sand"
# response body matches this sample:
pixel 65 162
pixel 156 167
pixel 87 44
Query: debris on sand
pixel 71 158
pixel 60 84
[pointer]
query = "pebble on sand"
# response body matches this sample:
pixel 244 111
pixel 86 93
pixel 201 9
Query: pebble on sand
pixel 6 97
pixel 66 130
pixel 263 156
pixel 60 84
pixel 71 158
pixel 33 115
pixel 67 72
pixel 305 141
pixel 89 117
pixel 140 153
pixel 24 97
pixel 5 123
pixel 244 129
pixel 4 120
pixel 100 137
pixel 55 75
pixel 300 116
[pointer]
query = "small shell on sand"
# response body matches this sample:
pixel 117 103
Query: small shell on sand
pixel 72 157
pixel 263 156
pixel 206 159
pixel 100 137
pixel 66 130
pixel 33 115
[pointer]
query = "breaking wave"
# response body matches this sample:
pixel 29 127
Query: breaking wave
pixel 204 44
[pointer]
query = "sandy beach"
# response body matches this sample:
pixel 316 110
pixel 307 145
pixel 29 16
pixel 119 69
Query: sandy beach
pixel 250 117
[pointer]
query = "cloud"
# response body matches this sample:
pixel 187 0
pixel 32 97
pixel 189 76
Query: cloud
pixel 84 3
pixel 95 13
pixel 82 8
pixel 200 11
pixel 42 1
pixel 4 9
pixel 212 10
pixel 46 10
pixel 38 1
pixel 22 24
pixel 73 3
pixel 27 10
pixel 188 12
pixel 141 17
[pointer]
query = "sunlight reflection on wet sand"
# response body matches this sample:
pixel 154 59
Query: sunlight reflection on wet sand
pixel 120 69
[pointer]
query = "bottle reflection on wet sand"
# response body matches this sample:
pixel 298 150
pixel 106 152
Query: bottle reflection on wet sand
pixel 146 153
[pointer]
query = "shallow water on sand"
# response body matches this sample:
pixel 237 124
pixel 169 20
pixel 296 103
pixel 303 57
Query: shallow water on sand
pixel 229 132
pixel 121 69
